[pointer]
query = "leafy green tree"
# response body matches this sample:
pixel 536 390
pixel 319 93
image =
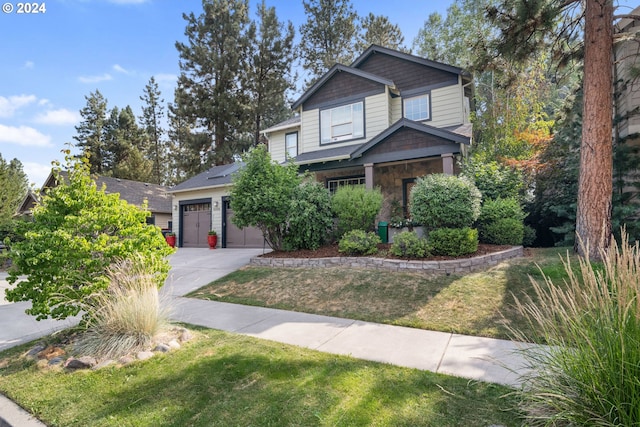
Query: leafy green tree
pixel 151 122
pixel 77 232
pixel 310 219
pixel 269 77
pixel 90 132
pixel 377 29
pixel 261 195
pixel 328 36
pixel 493 179
pixel 13 188
pixel 210 95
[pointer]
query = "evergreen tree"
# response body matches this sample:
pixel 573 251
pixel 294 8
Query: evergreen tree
pixel 269 77
pixel 377 29
pixel 152 114
pixel 526 26
pixel 214 56
pixel 126 144
pixel 13 188
pixel 90 132
pixel 329 35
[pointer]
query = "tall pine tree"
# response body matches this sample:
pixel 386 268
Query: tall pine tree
pixel 377 29
pixel 211 61
pixel 13 188
pixel 329 35
pixel 151 122
pixel 90 131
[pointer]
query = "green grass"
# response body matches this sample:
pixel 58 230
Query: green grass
pixel 232 380
pixel 478 304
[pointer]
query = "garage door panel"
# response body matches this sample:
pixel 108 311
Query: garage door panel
pixel 248 237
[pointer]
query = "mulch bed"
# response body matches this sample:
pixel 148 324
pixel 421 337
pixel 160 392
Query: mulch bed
pixel 383 252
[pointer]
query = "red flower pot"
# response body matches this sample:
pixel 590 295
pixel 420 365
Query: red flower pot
pixel 171 241
pixel 213 241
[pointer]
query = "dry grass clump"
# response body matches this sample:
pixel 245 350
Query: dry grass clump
pixel 590 373
pixel 127 315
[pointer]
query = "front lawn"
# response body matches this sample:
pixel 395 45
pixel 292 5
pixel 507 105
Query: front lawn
pixel 232 380
pixel 476 304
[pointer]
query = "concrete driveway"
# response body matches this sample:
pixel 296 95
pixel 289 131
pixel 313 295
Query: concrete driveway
pixel 192 268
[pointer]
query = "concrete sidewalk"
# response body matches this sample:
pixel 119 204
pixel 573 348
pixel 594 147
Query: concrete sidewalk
pixel 475 358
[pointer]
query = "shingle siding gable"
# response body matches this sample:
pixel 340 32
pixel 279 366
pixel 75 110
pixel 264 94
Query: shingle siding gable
pixel 342 86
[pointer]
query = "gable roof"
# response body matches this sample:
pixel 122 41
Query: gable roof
pixel 285 124
pixel 353 152
pixel 373 49
pixel 217 176
pixel 338 68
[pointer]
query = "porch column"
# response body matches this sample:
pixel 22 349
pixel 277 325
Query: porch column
pixel 447 163
pixel 368 176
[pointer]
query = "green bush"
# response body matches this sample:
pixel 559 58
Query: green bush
pixel 493 179
pixel 77 232
pixel 407 244
pixel 501 222
pixel 453 241
pixel 506 231
pixel 310 219
pixel 447 201
pixel 588 374
pixel 359 242
pixel 356 208
pixel 529 236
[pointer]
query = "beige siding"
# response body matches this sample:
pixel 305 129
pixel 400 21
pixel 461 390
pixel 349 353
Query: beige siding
pixel 630 94
pixel 446 106
pixel 376 110
pixel 277 146
pixel 396 109
pixel 310 138
pixel 162 220
pixel 215 194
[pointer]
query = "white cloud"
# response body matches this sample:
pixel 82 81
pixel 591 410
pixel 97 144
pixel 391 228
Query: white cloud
pixel 44 102
pixel 28 65
pixel 9 105
pixel 95 79
pixel 166 78
pixel 23 135
pixel 37 172
pixel 120 69
pixel 61 117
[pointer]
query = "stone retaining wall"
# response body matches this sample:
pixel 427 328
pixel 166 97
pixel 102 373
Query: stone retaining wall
pixel 457 266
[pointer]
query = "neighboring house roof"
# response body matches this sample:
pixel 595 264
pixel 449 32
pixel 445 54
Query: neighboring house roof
pixel 373 49
pixel 353 152
pixel 286 124
pixel 339 68
pixel 134 192
pixel 217 176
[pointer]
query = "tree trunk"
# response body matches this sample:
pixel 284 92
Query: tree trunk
pixel 595 183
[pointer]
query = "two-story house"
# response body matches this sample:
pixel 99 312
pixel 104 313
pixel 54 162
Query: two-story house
pixel 383 121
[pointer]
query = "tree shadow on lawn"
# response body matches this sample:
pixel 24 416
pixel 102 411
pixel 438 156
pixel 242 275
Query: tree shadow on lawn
pixel 225 379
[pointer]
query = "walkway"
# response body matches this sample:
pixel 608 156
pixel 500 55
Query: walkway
pixel 476 358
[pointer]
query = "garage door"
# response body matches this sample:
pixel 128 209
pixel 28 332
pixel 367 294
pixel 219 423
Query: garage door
pixel 196 223
pixel 248 237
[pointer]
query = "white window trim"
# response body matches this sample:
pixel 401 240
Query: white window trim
pixel 287 154
pixel 340 182
pixel 325 116
pixel 427 97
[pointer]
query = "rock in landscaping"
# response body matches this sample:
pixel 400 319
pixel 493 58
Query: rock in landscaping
pixel 51 352
pixel 174 344
pixel 163 348
pixel 35 350
pixel 125 360
pixel 54 361
pixel 144 355
pixel 84 362
pixel 185 335
pixel 103 364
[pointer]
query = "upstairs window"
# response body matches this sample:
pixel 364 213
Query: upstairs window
pixel 342 123
pixel 291 145
pixel 417 108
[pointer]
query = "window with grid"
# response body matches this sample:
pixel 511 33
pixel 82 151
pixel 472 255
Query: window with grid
pixel 291 145
pixel 334 184
pixel 342 123
pixel 417 108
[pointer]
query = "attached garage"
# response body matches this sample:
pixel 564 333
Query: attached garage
pixel 201 204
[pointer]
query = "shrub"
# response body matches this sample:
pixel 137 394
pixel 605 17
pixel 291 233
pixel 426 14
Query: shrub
pixel 359 242
pixel 588 375
pixel 77 232
pixel 529 236
pixel 310 218
pixel 506 231
pixel 493 179
pixel 126 316
pixel 447 201
pixel 453 241
pixel 407 244
pixel 356 208
pixel 501 222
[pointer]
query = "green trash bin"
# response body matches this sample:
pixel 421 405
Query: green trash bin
pixel 383 231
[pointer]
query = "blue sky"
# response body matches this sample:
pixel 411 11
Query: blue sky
pixel 52 60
